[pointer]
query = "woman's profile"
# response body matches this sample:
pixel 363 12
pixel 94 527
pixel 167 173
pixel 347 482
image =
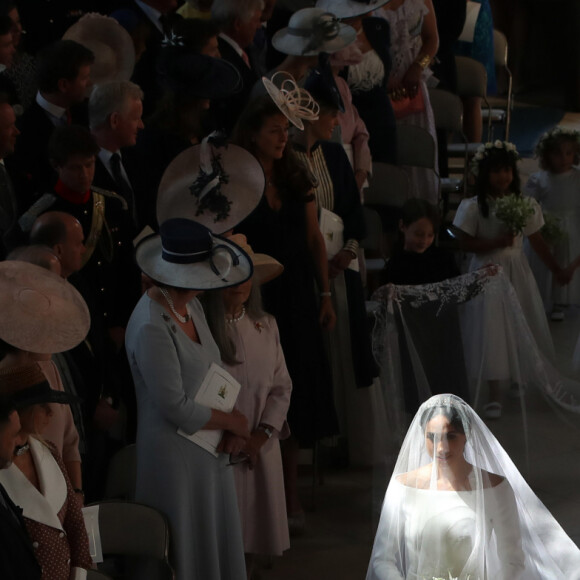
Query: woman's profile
pixel 457 507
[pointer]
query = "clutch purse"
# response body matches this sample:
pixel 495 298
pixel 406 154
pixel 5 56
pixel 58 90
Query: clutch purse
pixel 406 106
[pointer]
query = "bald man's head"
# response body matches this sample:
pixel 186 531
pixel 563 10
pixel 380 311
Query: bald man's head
pixel 42 256
pixel 62 233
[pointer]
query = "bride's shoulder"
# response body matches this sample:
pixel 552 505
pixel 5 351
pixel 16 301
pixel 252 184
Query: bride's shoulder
pixel 491 479
pixel 418 478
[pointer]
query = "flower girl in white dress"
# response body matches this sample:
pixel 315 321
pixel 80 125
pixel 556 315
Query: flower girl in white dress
pixel 492 242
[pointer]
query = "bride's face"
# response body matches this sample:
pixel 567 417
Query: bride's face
pixel 444 442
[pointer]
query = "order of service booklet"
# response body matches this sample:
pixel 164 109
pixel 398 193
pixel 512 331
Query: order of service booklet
pixel 219 390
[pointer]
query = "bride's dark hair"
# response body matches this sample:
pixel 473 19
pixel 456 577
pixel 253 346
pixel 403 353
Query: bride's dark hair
pixel 449 412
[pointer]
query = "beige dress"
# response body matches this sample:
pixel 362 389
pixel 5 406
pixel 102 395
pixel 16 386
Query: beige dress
pixel 264 398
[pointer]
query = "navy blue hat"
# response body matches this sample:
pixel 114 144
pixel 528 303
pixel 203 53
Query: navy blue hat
pixel 321 85
pixel 186 254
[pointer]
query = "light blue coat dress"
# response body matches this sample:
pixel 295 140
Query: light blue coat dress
pixel 193 488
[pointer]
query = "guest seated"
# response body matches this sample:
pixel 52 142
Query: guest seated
pixel 17 559
pixel 37 481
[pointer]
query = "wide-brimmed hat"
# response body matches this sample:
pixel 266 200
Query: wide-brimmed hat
pixel 110 43
pixel 266 268
pixel 350 8
pixel 293 101
pixel 311 31
pixel 185 72
pixel 41 312
pixel 215 183
pixel 185 254
pixel 26 385
pixel 321 85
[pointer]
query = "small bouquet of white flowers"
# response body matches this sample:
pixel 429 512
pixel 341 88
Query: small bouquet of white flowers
pixel 552 230
pixel 514 211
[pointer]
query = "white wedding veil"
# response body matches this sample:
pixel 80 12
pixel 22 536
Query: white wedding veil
pixel 454 336
pixel 487 525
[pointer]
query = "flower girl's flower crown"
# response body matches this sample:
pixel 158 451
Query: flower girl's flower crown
pixel 550 138
pixel 490 149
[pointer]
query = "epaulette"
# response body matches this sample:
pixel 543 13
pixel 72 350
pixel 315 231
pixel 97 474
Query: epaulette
pixel 28 218
pixel 112 194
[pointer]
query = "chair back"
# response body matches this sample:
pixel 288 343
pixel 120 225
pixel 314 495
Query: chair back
pixel 137 532
pixel 388 186
pixel 415 147
pixel 500 48
pixel 122 474
pixel 447 110
pixel 471 77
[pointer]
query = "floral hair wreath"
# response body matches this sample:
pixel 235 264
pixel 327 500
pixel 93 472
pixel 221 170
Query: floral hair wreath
pixel 548 139
pixel 489 149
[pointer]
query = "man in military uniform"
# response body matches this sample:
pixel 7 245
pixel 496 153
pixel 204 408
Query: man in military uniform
pixel 109 279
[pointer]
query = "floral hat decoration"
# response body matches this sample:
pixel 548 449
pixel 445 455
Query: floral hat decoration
pixel 489 150
pixel 294 102
pixel 215 183
pixel 549 139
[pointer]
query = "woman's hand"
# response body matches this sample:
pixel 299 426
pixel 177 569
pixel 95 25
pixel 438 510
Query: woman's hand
pixel 339 263
pixel 231 444
pixel 327 316
pixel 254 445
pixel 239 425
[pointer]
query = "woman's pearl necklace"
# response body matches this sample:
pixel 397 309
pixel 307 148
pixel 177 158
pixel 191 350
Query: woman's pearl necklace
pixel 237 318
pixel 180 317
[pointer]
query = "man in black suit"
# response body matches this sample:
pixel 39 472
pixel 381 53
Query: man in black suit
pixel 147 21
pixel 115 111
pixel 63 77
pixel 17 558
pixel 239 22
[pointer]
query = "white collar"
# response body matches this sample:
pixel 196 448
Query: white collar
pixel 49 107
pixel 232 43
pixel 152 13
pixel 40 507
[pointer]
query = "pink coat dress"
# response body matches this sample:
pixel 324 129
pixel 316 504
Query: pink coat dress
pixel 264 398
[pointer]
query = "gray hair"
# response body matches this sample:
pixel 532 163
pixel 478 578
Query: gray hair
pixel 109 98
pixel 224 12
pixel 213 305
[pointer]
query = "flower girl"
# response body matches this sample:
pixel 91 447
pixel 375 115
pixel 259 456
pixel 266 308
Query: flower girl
pixel 557 188
pixel 492 226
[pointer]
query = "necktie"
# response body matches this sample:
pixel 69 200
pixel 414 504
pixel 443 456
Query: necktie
pixel 123 186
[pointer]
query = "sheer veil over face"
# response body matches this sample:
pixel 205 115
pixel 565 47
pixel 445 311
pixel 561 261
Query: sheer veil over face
pixel 457 506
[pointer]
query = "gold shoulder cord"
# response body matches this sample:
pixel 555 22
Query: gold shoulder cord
pixel 96 226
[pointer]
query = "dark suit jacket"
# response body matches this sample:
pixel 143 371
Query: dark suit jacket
pixel 29 166
pixel 17 559
pixel 145 73
pixel 104 180
pixel 225 112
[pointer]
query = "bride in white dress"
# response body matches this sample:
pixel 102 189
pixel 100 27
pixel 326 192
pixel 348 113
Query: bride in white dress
pixel 457 507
